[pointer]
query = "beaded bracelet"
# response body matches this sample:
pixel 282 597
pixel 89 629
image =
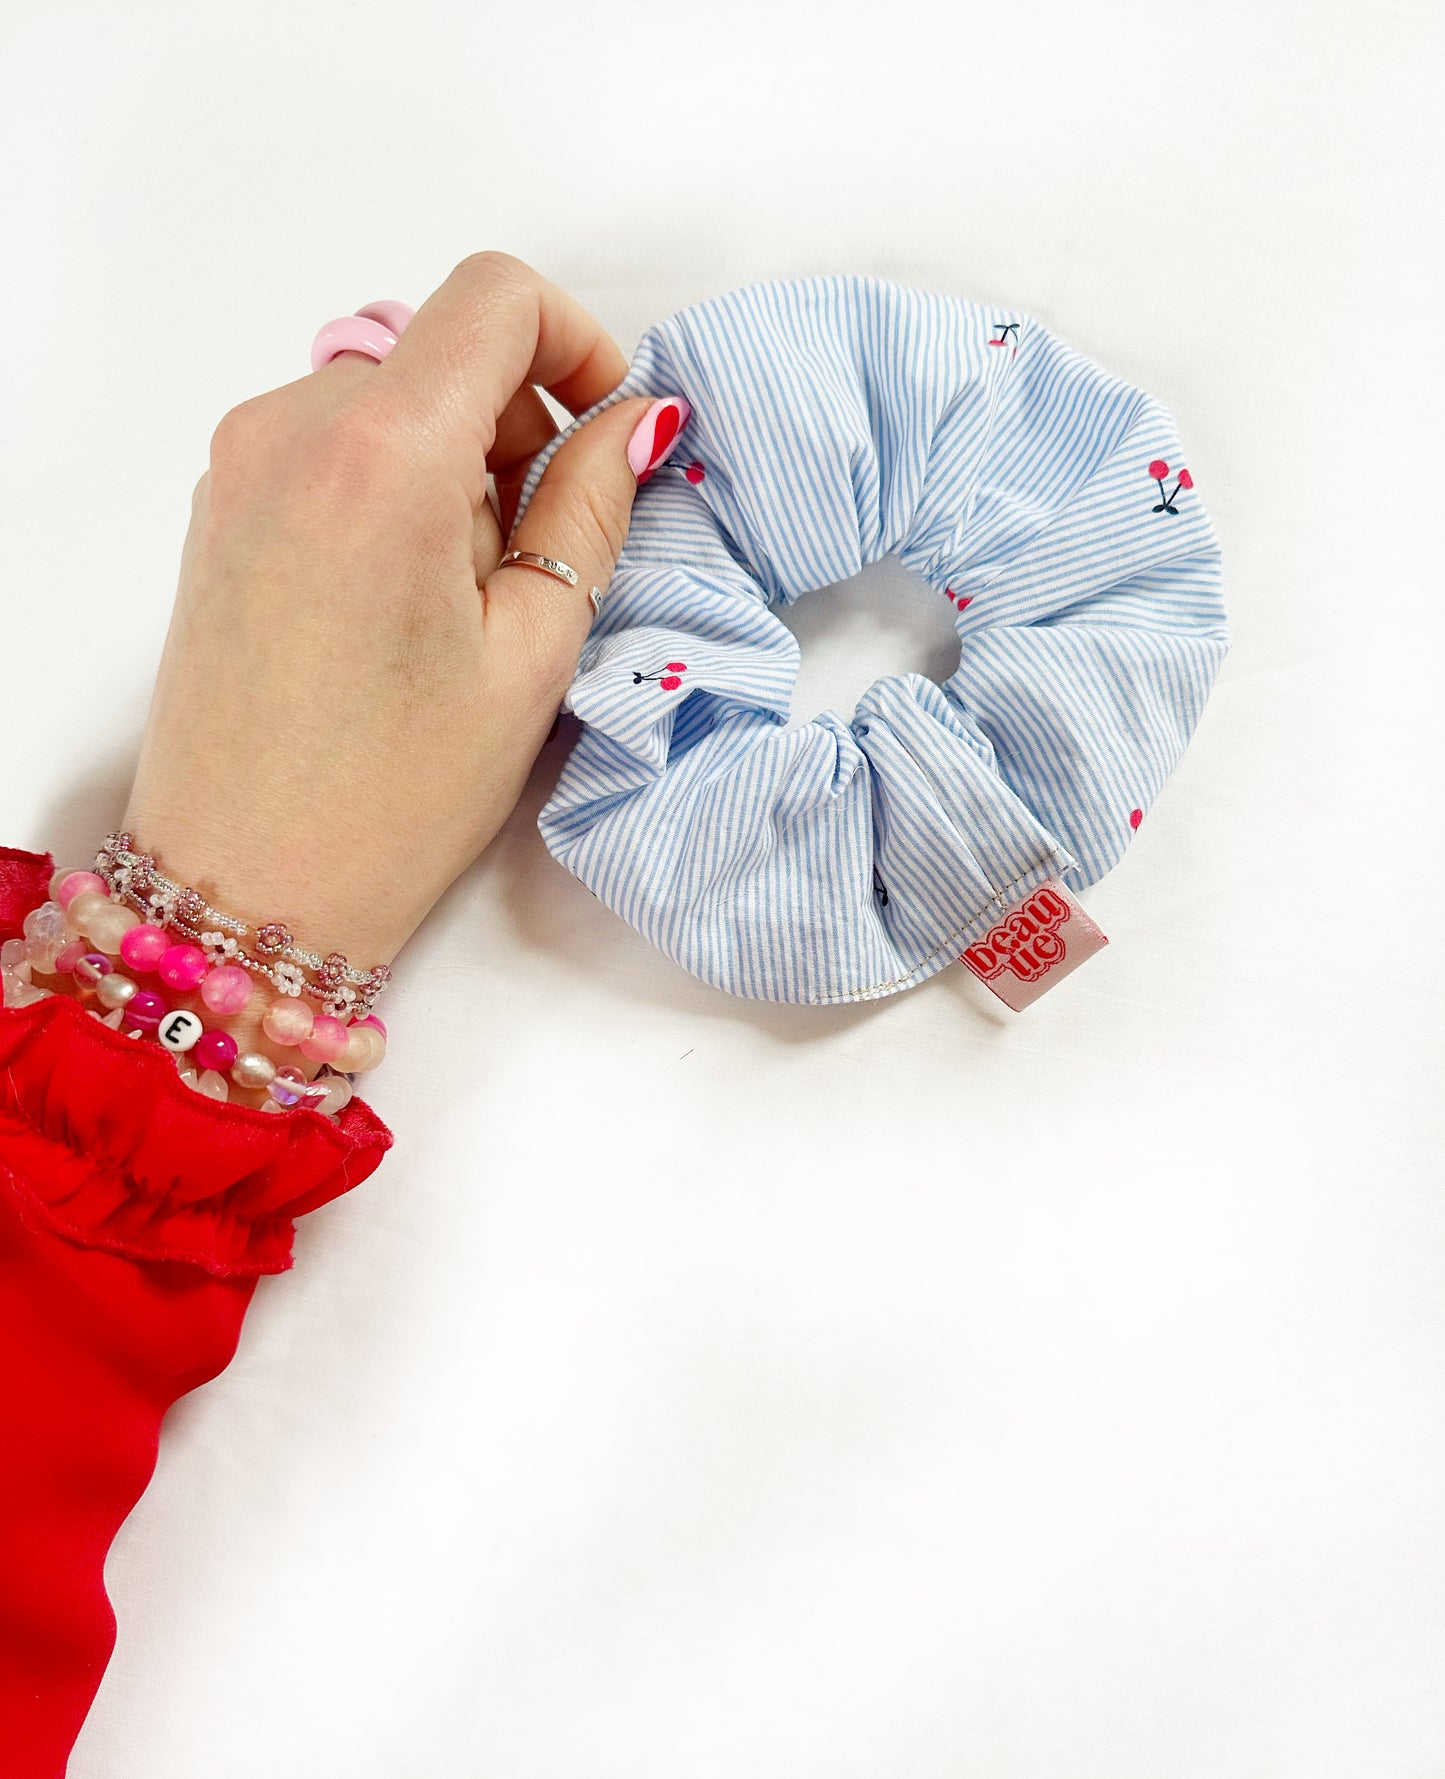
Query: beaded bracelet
pixel 79 931
pixel 133 877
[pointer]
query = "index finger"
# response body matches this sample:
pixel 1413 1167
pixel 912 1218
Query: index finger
pixel 495 325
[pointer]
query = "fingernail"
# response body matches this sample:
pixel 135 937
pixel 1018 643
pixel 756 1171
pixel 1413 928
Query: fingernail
pixel 656 434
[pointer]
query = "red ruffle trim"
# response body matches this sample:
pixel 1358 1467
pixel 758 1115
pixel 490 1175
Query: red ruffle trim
pixel 102 1141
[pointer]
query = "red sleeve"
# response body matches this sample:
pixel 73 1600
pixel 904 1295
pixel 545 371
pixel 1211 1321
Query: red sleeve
pixel 135 1217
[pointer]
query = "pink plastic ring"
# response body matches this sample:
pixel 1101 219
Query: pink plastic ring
pixel 351 333
pixel 390 314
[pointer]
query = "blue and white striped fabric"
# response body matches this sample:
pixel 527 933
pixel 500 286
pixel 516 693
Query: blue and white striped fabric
pixel 839 420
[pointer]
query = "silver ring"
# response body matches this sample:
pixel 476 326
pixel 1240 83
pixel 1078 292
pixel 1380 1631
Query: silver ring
pixel 558 570
pixel 548 565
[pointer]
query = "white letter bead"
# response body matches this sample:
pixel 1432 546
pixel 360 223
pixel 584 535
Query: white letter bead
pixel 180 1031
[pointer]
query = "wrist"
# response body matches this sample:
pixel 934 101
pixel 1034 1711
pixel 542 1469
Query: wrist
pixel 237 865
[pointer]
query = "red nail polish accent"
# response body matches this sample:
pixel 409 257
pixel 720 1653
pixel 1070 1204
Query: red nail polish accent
pixel 656 434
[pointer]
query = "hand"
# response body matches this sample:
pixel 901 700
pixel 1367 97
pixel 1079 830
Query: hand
pixel 352 693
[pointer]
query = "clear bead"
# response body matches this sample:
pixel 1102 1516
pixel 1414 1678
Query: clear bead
pixel 47 933
pixel 337 1095
pixel 287 1086
pixel 21 994
pixel 48 922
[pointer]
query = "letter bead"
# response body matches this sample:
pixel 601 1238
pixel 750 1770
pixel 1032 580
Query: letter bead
pixel 180 1031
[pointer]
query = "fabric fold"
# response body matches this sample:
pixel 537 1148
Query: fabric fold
pixel 102 1142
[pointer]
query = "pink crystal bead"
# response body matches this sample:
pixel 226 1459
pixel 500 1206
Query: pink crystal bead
pixel 328 1039
pixel 227 989
pixel 217 1050
pixel 145 1009
pixel 288 1022
pixel 365 1049
pixel 90 968
pixel 67 960
pixel 65 886
pixel 143 947
pixel 182 966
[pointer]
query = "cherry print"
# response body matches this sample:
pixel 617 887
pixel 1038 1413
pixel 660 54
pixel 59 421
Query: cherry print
pixel 692 472
pixel 1135 817
pixel 958 599
pixel 1005 328
pixel 1159 469
pixel 880 889
pixel 670 678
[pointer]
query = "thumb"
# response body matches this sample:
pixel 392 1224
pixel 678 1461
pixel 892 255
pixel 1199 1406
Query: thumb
pixel 579 515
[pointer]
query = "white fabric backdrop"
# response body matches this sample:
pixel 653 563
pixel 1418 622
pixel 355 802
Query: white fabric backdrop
pixel 712 1389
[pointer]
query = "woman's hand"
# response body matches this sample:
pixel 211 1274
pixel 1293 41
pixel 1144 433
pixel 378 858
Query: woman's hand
pixel 352 693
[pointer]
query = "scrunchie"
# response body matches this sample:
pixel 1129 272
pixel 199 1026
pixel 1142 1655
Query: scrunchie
pixel 837 421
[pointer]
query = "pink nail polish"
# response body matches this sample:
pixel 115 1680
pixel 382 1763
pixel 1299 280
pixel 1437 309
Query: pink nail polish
pixel 656 434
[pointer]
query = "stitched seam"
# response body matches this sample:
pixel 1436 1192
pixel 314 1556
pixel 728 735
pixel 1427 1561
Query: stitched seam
pixel 83 1237
pixel 945 944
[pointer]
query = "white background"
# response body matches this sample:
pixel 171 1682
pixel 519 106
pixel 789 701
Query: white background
pixel 704 1389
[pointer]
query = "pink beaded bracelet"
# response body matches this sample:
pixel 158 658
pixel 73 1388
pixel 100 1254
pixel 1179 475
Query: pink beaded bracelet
pixel 79 932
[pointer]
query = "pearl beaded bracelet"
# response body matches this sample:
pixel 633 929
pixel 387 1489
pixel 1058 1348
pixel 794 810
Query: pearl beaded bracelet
pixel 82 929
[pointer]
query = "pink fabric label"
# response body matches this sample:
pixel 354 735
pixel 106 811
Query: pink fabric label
pixel 1036 944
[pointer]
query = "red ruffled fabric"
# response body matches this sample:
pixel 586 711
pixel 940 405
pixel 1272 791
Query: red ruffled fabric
pixel 106 1145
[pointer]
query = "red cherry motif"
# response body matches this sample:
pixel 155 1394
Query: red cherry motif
pixel 694 473
pixel 669 679
pixel 958 599
pixel 1135 817
pixel 1159 469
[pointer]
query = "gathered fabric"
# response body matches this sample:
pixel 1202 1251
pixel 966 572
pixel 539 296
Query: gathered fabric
pixel 837 421
pixel 135 1219
pixel 102 1141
